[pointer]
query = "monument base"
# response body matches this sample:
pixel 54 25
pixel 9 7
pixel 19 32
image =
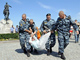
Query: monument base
pixel 5 26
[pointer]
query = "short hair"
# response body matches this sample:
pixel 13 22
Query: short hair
pixel 61 12
pixel 48 14
pixel 75 20
pixel 31 19
pixel 23 14
pixel 16 25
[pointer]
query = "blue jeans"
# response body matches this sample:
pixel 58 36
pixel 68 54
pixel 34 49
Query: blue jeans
pixel 76 36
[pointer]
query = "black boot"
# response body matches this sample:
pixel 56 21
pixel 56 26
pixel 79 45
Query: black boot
pixel 62 56
pixel 50 49
pixel 48 52
pixel 35 51
pixel 31 49
pixel 59 53
pixel 24 50
pixel 28 53
pixel 75 42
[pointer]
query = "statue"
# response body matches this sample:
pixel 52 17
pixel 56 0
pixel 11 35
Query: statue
pixel 6 11
pixel 6 23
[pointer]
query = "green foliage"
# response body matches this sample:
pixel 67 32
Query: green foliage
pixel 8 36
pixel 13 36
pixel 56 33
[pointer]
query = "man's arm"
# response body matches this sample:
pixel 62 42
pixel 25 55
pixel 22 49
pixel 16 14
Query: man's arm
pixel 10 6
pixel 22 28
pixel 41 27
pixel 35 28
pixel 74 26
pixel 55 26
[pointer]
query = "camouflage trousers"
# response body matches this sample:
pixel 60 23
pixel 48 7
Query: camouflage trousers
pixel 24 39
pixel 63 40
pixel 51 41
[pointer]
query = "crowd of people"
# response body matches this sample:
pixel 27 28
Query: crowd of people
pixel 73 32
pixel 63 26
pixel 14 30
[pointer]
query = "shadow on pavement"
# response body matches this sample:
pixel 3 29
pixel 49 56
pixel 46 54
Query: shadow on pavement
pixel 55 54
pixel 19 50
pixel 39 52
pixel 72 41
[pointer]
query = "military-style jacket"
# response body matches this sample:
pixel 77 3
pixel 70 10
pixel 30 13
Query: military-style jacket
pixel 47 24
pixel 23 25
pixel 63 25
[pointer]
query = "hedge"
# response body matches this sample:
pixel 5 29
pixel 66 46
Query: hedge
pixel 8 36
pixel 13 36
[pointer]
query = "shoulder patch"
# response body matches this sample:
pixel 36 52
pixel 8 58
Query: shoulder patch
pixel 59 20
pixel 21 24
pixel 45 22
pixel 24 22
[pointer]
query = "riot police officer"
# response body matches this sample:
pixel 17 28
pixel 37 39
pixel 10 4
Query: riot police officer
pixel 24 34
pixel 47 24
pixel 62 25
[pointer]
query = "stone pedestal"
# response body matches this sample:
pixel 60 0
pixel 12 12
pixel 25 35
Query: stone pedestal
pixel 5 28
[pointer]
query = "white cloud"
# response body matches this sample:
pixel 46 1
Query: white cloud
pixel 44 6
pixel 17 1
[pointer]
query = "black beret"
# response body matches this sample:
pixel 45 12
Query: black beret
pixel 48 14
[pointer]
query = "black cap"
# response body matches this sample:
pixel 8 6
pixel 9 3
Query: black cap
pixel 48 14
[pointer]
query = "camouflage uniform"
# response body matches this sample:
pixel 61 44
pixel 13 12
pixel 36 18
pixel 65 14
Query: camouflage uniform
pixel 63 27
pixel 51 41
pixel 24 36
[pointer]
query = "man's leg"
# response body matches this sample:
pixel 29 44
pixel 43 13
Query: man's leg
pixel 48 47
pixel 28 45
pixel 53 41
pixel 61 46
pixel 22 42
pixel 75 37
pixel 78 38
pixel 66 41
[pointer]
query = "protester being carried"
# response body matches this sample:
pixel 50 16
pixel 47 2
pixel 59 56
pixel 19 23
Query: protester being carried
pixel 34 30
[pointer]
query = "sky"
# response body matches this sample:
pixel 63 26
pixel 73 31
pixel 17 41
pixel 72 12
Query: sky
pixel 37 9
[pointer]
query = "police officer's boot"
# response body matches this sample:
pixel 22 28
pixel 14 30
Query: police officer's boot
pixel 75 42
pixel 62 56
pixel 24 50
pixel 59 53
pixel 35 51
pixel 28 53
pixel 50 49
pixel 48 52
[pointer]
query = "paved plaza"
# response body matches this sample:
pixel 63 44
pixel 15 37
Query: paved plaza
pixel 10 50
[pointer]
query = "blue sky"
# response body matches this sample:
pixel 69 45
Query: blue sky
pixel 37 9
